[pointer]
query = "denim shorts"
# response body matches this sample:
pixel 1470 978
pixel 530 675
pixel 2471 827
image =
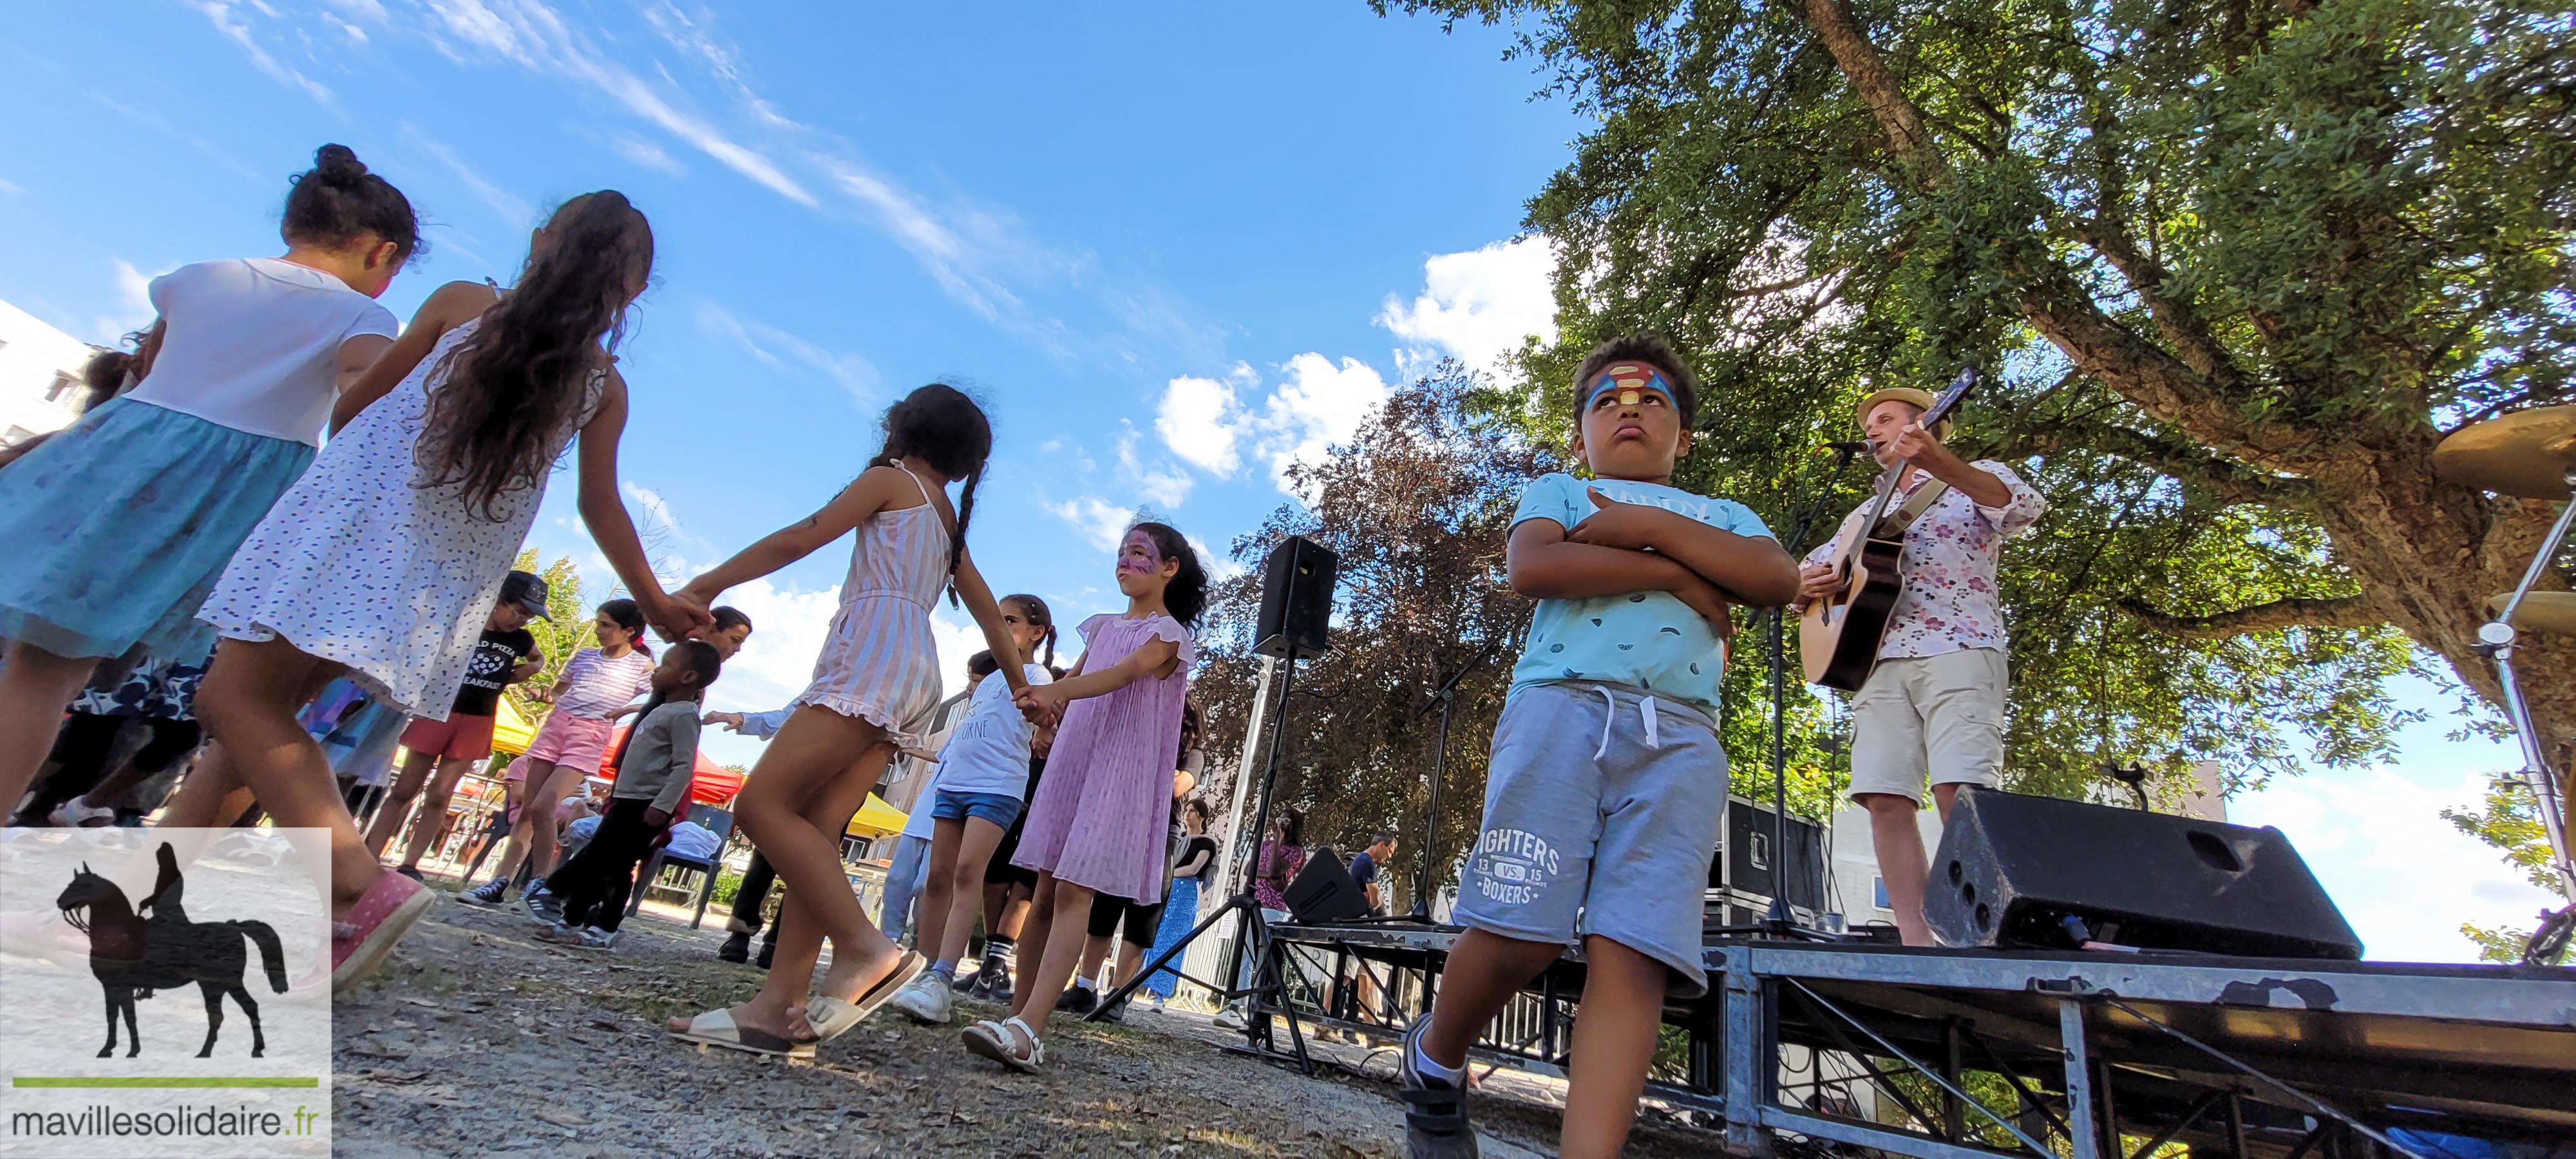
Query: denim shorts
pixel 999 808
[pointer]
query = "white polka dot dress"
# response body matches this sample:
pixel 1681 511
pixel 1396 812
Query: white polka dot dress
pixel 357 564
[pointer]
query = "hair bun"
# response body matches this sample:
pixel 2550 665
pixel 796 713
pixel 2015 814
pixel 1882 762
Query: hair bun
pixel 338 162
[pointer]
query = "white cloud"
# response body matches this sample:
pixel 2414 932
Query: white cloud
pixel 646 154
pixel 133 310
pixel 514 210
pixel 1197 419
pixel 1319 402
pixel 228 22
pixel 2403 876
pixel 1101 522
pixel 1220 567
pixel 10 187
pixel 1162 486
pixel 775 347
pixel 1478 306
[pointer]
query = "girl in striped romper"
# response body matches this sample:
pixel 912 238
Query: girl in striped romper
pixel 874 688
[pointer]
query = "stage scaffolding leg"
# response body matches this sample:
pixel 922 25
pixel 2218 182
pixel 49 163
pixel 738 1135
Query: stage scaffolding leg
pixel 1746 1055
pixel 2081 1132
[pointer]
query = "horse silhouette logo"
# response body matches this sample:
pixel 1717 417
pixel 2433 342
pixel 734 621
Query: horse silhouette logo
pixel 133 956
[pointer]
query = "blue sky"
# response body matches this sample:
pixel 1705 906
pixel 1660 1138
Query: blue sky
pixel 1173 246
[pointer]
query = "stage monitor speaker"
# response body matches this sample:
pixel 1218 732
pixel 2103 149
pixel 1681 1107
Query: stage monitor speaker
pixel 1324 891
pixel 1296 600
pixel 1746 862
pixel 2025 871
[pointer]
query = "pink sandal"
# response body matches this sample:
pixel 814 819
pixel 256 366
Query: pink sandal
pixel 361 942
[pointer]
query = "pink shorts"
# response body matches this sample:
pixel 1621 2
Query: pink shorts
pixel 565 739
pixel 459 737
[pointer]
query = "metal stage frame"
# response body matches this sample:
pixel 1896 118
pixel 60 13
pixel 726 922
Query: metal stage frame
pixel 1974 1053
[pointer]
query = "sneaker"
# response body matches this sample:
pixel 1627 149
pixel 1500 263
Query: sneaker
pixel 1435 1110
pixel 595 938
pixel 412 872
pixel 1230 1018
pixel 927 999
pixel 543 906
pixel 1115 1012
pixel 997 982
pixel 75 814
pixel 1078 1000
pixel 736 948
pixel 1155 1001
pixel 492 892
pixel 768 950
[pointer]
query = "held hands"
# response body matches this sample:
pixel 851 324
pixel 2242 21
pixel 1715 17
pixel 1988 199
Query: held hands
pixel 1630 526
pixel 1042 705
pixel 731 720
pixel 675 616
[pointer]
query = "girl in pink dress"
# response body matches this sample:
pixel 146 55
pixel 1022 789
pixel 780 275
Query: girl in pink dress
pixel 874 687
pixel 1098 822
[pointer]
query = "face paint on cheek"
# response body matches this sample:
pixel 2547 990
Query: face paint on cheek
pixel 1139 554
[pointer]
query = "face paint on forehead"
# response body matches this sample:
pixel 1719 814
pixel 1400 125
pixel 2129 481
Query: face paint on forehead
pixel 1630 380
pixel 1128 560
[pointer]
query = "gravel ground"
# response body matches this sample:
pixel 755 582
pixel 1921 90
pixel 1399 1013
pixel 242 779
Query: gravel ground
pixel 479 1039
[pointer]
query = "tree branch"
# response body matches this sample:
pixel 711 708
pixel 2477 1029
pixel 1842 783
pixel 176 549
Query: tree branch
pixel 2334 612
pixel 2191 464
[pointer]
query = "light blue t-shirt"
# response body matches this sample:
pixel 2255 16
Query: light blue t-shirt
pixel 1647 640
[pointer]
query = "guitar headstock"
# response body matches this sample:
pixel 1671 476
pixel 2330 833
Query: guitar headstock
pixel 1950 397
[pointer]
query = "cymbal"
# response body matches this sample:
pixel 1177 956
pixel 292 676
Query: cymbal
pixel 2525 454
pixel 2553 612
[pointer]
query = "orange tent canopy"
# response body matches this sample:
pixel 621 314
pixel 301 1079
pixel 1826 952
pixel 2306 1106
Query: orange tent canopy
pixel 710 782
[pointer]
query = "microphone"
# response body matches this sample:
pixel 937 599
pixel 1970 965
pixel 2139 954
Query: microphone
pixel 1846 448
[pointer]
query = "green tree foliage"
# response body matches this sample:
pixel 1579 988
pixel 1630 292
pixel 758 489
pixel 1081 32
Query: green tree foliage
pixel 2510 821
pixel 2232 268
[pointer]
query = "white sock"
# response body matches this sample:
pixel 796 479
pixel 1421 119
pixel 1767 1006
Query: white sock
pixel 1085 983
pixel 1430 1068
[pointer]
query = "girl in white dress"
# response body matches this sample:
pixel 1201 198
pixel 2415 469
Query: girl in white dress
pixel 874 687
pixel 382 563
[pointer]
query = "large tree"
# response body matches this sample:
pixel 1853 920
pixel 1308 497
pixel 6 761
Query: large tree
pixel 2234 267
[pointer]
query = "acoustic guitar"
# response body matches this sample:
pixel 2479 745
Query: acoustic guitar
pixel 1839 633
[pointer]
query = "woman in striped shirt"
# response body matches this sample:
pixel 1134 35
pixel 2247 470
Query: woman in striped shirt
pixel 595 684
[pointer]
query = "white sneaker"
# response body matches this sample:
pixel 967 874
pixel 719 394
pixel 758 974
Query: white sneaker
pixel 927 999
pixel 72 814
pixel 1230 1018
pixel 1157 1001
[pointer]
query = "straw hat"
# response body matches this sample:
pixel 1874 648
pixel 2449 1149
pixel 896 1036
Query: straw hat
pixel 1919 399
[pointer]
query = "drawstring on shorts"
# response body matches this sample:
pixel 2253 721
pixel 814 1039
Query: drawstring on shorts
pixel 1610 714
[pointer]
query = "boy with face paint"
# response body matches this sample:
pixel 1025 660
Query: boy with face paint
pixel 1603 798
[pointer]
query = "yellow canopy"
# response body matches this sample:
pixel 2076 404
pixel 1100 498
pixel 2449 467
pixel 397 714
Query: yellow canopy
pixel 876 819
pixel 511 732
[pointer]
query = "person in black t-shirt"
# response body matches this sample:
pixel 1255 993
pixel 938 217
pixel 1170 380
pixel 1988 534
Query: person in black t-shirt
pixel 506 655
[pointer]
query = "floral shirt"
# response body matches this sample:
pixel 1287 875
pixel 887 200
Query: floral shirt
pixel 1951 602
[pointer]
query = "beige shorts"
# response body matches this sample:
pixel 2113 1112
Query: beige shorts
pixel 1940 717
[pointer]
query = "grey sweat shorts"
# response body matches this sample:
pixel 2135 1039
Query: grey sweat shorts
pixel 1602 810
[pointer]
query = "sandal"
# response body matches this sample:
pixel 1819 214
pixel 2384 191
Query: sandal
pixel 999 1042
pixel 361 942
pixel 832 1017
pixel 717 1028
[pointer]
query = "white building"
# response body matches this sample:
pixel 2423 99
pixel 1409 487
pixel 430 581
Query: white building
pixel 40 376
pixel 1854 888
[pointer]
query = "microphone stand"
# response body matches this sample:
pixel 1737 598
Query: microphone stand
pixel 1779 919
pixel 1439 757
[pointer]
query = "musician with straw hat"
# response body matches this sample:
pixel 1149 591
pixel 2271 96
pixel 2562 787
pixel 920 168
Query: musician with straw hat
pixel 1933 705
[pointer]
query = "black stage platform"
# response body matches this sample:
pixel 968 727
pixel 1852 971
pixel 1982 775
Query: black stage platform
pixel 1956 1053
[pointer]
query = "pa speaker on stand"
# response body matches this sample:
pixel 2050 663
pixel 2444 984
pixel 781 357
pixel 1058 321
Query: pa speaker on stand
pixel 1296 610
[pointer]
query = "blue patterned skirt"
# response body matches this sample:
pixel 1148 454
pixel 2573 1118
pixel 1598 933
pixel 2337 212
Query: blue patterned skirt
pixel 113 531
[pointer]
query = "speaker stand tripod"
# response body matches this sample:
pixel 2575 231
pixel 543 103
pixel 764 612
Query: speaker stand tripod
pixel 1268 988
pixel 1442 696
pixel 2496 641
